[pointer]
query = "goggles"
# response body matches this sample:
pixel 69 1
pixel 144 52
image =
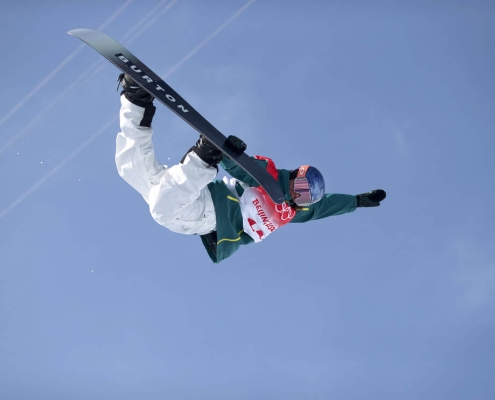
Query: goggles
pixel 301 187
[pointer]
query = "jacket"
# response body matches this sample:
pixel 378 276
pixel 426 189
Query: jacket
pixel 230 236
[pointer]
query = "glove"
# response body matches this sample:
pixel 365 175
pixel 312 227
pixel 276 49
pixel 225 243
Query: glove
pixel 371 199
pixel 133 92
pixel 237 144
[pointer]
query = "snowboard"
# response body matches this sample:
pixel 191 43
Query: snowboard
pixel 124 60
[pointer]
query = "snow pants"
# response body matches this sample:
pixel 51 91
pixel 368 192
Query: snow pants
pixel 177 196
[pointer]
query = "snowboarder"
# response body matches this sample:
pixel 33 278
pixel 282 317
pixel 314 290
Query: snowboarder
pixel 186 198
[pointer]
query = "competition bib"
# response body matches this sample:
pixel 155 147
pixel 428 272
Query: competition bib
pixel 261 216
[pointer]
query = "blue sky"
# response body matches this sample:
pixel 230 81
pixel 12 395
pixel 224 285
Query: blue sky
pixel 97 301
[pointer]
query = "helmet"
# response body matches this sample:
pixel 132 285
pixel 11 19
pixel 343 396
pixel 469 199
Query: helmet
pixel 309 184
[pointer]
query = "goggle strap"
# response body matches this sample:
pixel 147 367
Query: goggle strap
pixel 302 171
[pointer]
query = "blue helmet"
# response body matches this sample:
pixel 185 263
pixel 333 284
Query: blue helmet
pixel 309 184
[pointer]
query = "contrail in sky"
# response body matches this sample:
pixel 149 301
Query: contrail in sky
pixel 93 70
pixel 131 36
pixel 114 120
pixel 204 42
pixel 40 183
pixel 59 67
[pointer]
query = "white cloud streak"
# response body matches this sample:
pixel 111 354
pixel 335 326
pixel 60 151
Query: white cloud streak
pixel 113 121
pixel 135 32
pixel 60 165
pixel 208 38
pixel 58 68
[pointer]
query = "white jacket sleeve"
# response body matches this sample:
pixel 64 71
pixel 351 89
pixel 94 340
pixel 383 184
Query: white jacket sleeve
pixel 178 197
pixel 135 154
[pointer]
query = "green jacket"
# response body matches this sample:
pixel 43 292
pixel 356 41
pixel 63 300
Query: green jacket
pixel 230 235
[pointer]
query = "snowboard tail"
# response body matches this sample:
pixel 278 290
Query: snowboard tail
pixel 124 60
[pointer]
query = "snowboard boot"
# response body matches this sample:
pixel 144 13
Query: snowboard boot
pixel 133 92
pixel 371 199
pixel 207 152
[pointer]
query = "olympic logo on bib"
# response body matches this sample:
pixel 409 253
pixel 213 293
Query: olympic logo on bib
pixel 286 211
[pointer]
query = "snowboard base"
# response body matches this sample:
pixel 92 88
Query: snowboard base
pixel 124 60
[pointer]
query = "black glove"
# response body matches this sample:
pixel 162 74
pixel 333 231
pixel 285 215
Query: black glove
pixel 237 144
pixel 133 92
pixel 138 96
pixel 371 199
